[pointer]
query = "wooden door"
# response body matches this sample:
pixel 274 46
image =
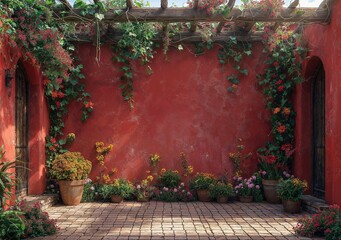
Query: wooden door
pixel 21 132
pixel 319 133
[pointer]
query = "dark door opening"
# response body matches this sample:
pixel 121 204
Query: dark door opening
pixel 21 132
pixel 319 133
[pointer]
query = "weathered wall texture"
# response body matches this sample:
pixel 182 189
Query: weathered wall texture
pixel 38 116
pixel 324 43
pixel 183 107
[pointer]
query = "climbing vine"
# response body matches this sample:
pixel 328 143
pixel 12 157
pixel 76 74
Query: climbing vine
pixel 282 73
pixel 29 26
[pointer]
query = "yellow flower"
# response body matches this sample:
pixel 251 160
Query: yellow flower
pixel 163 170
pixel 190 169
pixel 114 170
pixel 106 178
pixel 150 178
pixel 175 171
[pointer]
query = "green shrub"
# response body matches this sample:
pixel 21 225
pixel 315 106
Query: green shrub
pixel 11 225
pixel 169 179
pixel 202 181
pixel 292 189
pixel 120 187
pixel 220 190
pixel 6 182
pixel 91 191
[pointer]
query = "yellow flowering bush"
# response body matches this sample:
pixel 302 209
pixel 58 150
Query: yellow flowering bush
pixel 187 169
pixel 202 181
pixel 70 166
pixel 102 151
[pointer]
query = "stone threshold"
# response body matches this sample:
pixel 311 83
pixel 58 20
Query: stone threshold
pixel 313 204
pixel 46 200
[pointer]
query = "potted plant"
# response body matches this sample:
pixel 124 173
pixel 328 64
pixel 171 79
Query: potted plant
pixel 221 192
pixel 291 192
pixel 121 189
pixel 271 173
pixel 71 169
pixel 201 183
pixel 245 188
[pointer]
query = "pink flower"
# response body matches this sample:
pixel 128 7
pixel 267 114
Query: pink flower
pixel 175 190
pixel 263 173
pixel 257 186
pixel 182 184
pixel 138 186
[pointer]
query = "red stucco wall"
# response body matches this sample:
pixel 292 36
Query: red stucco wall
pixel 38 116
pixel 325 43
pixel 183 106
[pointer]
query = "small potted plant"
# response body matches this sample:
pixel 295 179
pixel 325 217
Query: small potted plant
pixel 221 192
pixel 117 191
pixel 291 192
pixel 169 179
pixel 201 183
pixel 71 170
pixel 245 188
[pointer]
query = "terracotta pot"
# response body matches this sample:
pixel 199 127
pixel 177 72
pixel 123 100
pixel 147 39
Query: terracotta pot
pixel 222 199
pixel 116 199
pixel 270 191
pixel 245 199
pixel 71 191
pixel 291 206
pixel 203 195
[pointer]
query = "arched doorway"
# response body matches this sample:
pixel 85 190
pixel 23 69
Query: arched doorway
pixel 21 131
pixel 318 120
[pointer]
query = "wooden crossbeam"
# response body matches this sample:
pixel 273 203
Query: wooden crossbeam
pixel 305 15
pixel 220 26
pixel 290 9
pixel 164 4
pixel 183 37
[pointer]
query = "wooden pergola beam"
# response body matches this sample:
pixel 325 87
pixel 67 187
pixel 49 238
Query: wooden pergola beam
pixel 183 37
pixel 194 25
pixel 306 15
pixel 66 4
pixel 290 9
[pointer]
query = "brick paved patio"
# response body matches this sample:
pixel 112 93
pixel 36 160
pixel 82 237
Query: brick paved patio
pixel 159 220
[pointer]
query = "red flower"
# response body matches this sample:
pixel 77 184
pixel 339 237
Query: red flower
pixel 280 88
pixel 58 105
pixel 279 82
pixel 89 105
pixel 54 94
pixel 61 95
pixel 270 159
pixel 53 140
pixel 275 64
pixel 281 128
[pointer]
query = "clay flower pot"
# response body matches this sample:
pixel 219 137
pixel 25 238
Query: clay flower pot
pixel 270 191
pixel 203 195
pixel 291 206
pixel 245 199
pixel 222 199
pixel 71 191
pixel 116 199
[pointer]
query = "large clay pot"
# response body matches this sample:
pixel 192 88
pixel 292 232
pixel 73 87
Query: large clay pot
pixel 270 191
pixel 116 199
pixel 291 206
pixel 246 199
pixel 222 199
pixel 71 191
pixel 203 195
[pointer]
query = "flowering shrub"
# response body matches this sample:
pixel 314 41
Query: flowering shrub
pixel 144 189
pixel 292 189
pixel 120 187
pixel 324 224
pixel 169 179
pixel 187 169
pixel 220 190
pixel 91 191
pixel 70 166
pixel 246 187
pixel 174 194
pixel 37 223
pixel 202 181
pixel 102 152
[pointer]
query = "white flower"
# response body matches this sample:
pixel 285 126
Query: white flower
pixel 92 188
pixel 138 186
pixel 182 184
